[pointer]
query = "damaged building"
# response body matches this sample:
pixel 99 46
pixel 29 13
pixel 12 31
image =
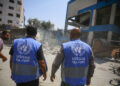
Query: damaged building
pixel 96 18
pixel 11 13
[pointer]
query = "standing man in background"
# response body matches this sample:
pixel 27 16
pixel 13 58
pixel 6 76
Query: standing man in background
pixel 76 60
pixel 27 60
pixel 3 36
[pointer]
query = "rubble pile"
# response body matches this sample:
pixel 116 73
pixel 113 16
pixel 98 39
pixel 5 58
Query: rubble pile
pixel 101 48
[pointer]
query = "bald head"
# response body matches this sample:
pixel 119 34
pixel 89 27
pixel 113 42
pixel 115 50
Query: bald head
pixel 75 33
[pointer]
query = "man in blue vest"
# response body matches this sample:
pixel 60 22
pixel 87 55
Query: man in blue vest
pixel 27 61
pixel 76 60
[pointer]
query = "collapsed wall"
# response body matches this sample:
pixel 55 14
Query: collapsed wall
pixel 45 36
pixel 101 48
pixel 49 38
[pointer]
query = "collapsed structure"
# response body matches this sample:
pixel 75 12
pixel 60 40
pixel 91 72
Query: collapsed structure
pixel 97 18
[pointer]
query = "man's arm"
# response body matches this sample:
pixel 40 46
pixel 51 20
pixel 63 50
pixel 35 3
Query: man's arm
pixel 11 56
pixel 42 66
pixel 90 69
pixel 41 62
pixel 4 58
pixel 56 64
pixel 11 63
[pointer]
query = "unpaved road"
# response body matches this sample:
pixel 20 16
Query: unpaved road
pixel 101 77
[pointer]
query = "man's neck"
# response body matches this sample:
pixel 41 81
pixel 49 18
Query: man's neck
pixel 31 37
pixel 75 39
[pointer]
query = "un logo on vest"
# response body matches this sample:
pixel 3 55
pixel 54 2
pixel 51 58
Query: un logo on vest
pixel 78 49
pixel 24 48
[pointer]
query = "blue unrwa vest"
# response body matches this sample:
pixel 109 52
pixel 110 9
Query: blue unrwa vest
pixel 75 65
pixel 24 64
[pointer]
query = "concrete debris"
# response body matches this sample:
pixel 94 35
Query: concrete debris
pixel 101 48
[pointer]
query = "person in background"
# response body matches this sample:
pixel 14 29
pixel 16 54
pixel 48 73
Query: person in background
pixel 27 60
pixel 3 36
pixel 76 60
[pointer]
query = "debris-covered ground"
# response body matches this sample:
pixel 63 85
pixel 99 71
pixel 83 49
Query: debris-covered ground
pixel 101 77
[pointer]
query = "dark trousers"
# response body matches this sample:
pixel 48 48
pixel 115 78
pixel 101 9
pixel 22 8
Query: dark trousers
pixel 65 84
pixel 31 83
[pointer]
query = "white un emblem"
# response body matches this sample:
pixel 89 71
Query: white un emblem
pixel 23 48
pixel 78 49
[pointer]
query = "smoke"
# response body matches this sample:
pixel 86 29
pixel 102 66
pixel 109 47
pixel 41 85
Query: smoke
pixel 47 37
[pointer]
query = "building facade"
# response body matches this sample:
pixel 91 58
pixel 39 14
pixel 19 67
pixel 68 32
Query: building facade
pixel 12 13
pixel 95 17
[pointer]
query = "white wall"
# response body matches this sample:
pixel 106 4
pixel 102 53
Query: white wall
pixel 77 5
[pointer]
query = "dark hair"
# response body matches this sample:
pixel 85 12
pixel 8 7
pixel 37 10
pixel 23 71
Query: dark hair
pixel 4 32
pixel 5 35
pixel 31 31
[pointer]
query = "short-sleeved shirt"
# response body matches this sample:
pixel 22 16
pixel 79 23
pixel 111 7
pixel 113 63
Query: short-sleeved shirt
pixel 40 55
pixel 1 44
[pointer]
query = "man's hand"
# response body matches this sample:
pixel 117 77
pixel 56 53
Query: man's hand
pixel 44 76
pixel 4 59
pixel 42 66
pixel 52 78
pixel 88 81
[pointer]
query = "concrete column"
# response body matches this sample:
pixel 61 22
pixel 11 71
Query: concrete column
pixel 66 25
pixel 112 19
pixel 90 37
pixel 91 34
pixel 109 36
